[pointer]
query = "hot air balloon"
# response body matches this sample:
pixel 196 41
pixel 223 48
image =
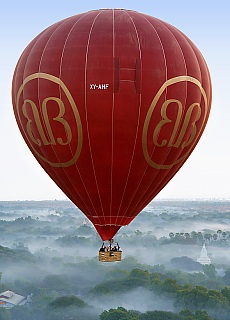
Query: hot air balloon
pixel 111 103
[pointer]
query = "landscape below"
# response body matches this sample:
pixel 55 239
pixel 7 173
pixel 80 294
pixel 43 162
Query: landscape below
pixel 49 255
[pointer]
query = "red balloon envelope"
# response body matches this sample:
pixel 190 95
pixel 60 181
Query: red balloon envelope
pixel 111 103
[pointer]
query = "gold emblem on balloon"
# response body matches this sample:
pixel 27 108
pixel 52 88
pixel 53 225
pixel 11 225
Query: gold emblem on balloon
pixel 178 137
pixel 44 135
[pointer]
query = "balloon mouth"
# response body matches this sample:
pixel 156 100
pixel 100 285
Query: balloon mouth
pixel 107 232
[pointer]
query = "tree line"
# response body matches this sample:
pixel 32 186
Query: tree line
pixel 218 237
pixel 123 314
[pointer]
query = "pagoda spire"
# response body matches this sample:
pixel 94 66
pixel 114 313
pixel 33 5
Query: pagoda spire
pixel 204 258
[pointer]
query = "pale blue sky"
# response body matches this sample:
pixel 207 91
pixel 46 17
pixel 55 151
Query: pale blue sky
pixel 206 174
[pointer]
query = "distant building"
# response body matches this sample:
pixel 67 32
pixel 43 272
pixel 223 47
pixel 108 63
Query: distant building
pixel 204 258
pixel 10 299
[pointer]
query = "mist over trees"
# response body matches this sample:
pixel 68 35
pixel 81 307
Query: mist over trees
pixel 48 252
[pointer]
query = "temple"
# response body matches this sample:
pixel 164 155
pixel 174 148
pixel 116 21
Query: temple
pixel 204 258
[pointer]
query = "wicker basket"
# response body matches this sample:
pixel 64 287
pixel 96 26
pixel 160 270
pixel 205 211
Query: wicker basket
pixel 110 256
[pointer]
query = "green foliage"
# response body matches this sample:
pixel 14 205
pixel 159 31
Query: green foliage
pixel 42 300
pixel 102 289
pixel 159 315
pixel 63 302
pixel 123 314
pixel 119 314
pixel 198 315
pixel 56 282
pixel 210 271
pixel 170 286
pixel 130 263
pixel 226 277
pixel 7 253
pixel 71 241
pixel 140 274
pixel 186 263
pixel 15 256
pixel 226 293
pixel 202 315
pixel 186 315
pixel 185 296
pixel 85 230
pixel 116 273
pixel 116 286
pixel 200 298
pixel 192 298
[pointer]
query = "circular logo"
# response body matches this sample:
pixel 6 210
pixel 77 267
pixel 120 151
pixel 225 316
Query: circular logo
pixel 174 122
pixel 49 119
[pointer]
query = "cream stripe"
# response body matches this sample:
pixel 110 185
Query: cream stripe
pixel 138 121
pixel 87 123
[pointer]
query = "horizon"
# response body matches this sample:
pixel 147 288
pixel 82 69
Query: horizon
pixel 151 202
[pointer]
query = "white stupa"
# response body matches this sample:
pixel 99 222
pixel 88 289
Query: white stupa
pixel 204 258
